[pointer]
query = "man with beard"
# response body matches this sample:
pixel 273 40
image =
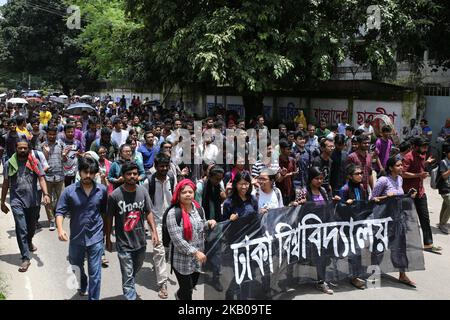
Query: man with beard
pixel 148 151
pixel 160 187
pixel 71 151
pixel 324 162
pixel 106 141
pixel 362 158
pixel 54 176
pixel 21 175
pixel 413 175
pixel 130 206
pixel 85 202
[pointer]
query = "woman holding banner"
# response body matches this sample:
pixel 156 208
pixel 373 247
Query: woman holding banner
pixel 316 193
pixel 353 191
pixel 391 186
pixel 243 207
pixel 187 235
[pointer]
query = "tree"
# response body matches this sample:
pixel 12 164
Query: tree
pixel 34 39
pixel 255 46
pixel 111 49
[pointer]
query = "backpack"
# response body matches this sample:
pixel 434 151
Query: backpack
pixel 435 177
pixel 152 185
pixel 165 232
pixel 277 192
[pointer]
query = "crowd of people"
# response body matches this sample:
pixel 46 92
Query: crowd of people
pixel 122 171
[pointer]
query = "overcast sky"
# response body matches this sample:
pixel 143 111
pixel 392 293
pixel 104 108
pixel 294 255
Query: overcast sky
pixel 2 2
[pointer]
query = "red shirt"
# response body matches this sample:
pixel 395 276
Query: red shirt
pixel 414 162
pixel 287 186
pixel 365 162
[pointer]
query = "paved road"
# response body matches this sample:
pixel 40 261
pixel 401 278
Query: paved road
pixel 49 276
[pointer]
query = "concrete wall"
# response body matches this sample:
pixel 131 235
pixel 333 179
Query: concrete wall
pixel 436 112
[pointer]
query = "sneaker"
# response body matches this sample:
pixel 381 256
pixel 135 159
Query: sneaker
pixel 324 288
pixel 444 229
pixel 162 292
pixel 52 226
pixel 82 293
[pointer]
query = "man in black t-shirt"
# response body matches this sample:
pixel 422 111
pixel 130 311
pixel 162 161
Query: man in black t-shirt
pixel 130 206
pixel 324 162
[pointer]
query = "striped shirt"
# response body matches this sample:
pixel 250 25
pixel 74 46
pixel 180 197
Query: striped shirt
pixel 259 166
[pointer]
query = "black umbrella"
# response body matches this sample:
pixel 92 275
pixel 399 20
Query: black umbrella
pixel 78 108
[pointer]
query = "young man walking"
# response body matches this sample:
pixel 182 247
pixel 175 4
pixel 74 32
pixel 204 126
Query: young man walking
pixel 85 202
pixel 130 206
pixel 21 176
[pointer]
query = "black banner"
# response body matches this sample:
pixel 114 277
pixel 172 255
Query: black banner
pixel 260 257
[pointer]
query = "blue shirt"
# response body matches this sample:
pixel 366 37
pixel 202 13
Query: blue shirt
pixel 246 208
pixel 86 223
pixel 148 155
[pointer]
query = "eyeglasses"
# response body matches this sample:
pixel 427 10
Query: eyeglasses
pixel 358 174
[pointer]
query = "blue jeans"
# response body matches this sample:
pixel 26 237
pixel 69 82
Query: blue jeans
pixel 25 220
pixel 130 264
pixel 94 254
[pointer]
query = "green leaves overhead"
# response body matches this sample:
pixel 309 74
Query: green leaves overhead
pixel 253 46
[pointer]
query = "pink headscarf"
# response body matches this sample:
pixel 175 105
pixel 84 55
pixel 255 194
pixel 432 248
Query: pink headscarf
pixel 187 225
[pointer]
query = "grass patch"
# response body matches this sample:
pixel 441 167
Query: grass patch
pixel 3 287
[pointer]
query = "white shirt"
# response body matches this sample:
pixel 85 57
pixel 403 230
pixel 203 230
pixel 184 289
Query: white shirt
pixel 366 130
pixel 331 135
pixel 269 200
pixel 209 152
pixel 119 137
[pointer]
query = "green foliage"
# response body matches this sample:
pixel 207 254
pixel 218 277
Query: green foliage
pixel 110 47
pixel 34 39
pixel 260 45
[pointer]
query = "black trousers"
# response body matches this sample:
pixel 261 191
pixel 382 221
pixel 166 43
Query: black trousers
pixel 68 180
pixel 187 284
pixel 424 219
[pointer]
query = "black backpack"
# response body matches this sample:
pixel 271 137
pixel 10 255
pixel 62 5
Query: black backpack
pixel 165 232
pixel 152 185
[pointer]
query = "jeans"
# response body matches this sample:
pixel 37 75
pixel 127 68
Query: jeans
pixel 130 264
pixel 424 219
pixel 94 256
pixel 187 284
pixel 445 209
pixel 25 220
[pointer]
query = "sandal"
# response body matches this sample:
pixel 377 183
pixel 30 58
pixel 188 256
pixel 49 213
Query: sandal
pixel 105 262
pixel 24 266
pixel 434 250
pixel 162 293
pixel 408 282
